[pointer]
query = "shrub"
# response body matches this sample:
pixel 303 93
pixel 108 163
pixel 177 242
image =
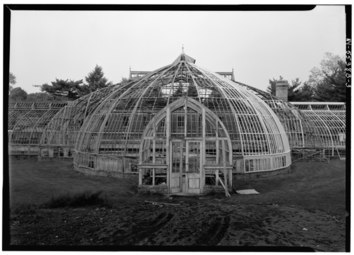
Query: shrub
pixel 78 200
pixel 25 209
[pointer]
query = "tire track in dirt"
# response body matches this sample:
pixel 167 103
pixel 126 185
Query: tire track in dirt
pixel 215 233
pixel 145 229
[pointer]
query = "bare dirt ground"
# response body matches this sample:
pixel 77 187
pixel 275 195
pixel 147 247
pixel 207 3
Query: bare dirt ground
pixel 304 208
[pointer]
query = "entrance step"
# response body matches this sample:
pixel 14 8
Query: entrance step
pixel 182 194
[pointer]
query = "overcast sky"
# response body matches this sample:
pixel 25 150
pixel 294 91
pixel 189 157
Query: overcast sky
pixel 258 45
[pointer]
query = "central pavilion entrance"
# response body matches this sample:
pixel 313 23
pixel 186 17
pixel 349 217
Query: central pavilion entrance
pixel 186 165
pixel 185 150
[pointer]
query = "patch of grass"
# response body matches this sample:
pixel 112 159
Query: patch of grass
pixel 311 185
pixel 36 182
pixel 83 199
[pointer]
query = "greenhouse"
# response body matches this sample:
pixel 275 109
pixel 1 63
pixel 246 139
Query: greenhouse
pixel 59 136
pixel 324 125
pixel 26 124
pixel 181 128
pixel 185 129
pixel 16 110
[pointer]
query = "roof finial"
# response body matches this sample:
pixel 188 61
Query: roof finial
pixel 183 48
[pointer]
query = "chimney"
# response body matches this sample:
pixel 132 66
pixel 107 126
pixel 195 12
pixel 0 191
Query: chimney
pixel 281 90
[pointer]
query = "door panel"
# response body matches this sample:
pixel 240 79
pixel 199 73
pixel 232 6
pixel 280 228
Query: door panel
pixel 177 162
pixel 193 171
pixel 193 183
pixel 193 157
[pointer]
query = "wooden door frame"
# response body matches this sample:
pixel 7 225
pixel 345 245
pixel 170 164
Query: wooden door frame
pixel 165 113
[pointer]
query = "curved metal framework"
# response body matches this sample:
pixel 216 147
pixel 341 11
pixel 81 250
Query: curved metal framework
pixel 59 135
pixel 289 116
pixel 324 124
pixel 112 133
pixel 24 137
pixel 317 125
pixel 16 110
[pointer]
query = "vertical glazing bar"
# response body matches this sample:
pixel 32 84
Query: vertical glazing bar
pixel 185 117
pixel 203 152
pixel 153 177
pixel 168 148
pixel 224 164
pixel 154 150
pixel 140 177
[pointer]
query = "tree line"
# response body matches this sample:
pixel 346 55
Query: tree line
pixel 326 83
pixel 60 89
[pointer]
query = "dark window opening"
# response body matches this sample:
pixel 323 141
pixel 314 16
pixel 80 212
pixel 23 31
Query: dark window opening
pixel 210 180
pixel 180 121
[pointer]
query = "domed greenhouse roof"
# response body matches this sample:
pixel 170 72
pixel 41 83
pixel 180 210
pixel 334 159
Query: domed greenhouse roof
pixel 116 127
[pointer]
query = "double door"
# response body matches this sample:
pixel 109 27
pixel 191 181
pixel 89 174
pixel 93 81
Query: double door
pixel 186 166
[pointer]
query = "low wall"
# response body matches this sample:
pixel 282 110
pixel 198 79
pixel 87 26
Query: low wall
pixel 264 174
pixel 105 165
pixel 23 150
pixel 89 171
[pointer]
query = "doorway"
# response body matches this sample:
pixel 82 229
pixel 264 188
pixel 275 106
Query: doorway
pixel 185 167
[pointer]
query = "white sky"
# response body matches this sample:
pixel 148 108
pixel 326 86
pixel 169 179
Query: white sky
pixel 258 45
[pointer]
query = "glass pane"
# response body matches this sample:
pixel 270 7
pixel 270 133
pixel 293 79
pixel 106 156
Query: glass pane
pixel 177 149
pixel 210 152
pixel 177 123
pixel 147 176
pixel 160 152
pixel 221 160
pixel 161 129
pixel 194 123
pixel 194 157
